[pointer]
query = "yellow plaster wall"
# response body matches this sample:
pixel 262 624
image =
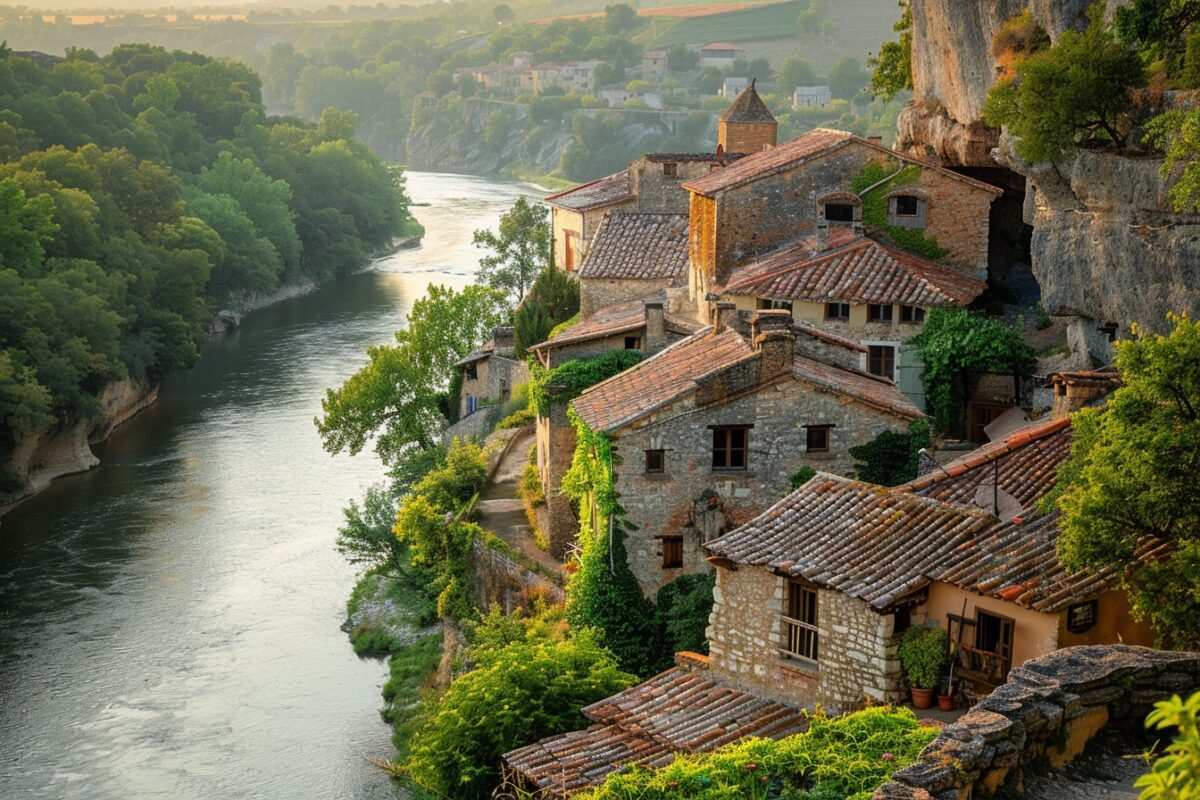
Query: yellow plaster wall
pixel 1114 624
pixel 1035 634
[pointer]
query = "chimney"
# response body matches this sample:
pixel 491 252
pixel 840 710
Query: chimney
pixel 655 327
pixel 875 139
pixel 774 340
pixel 724 316
pixel 1074 390
pixel 502 342
pixel 822 235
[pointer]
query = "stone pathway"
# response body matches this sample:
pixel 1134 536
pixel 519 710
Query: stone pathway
pixel 1108 777
pixel 502 511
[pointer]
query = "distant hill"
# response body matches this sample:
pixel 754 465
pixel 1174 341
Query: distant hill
pixel 860 26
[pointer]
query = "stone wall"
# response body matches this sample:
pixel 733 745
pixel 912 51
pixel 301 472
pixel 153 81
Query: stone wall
pixel 555 452
pixel 1045 714
pixel 691 499
pixel 596 293
pixel 498 580
pixel 857 656
pixel 659 193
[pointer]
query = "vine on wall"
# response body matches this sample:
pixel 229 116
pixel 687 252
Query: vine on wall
pixel 875 207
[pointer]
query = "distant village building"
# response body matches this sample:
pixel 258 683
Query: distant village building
pixel 654 64
pixel 490 374
pixel 579 76
pixel 547 75
pixel 732 87
pixel 719 54
pixel 617 97
pixel 811 97
pixel 711 428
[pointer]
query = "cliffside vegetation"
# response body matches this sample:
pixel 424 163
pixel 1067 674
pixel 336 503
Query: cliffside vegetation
pixel 139 193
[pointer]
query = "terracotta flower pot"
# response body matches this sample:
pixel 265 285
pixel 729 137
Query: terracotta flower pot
pixel 922 698
pixel 946 702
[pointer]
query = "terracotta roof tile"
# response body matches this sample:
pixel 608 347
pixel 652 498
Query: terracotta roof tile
pixel 610 321
pixel 676 711
pixel 639 247
pixel 748 107
pixel 855 270
pixel 869 389
pixel 808 329
pixel 605 191
pixel 794 151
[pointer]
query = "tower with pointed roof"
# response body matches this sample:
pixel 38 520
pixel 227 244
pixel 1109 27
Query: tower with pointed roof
pixel 747 126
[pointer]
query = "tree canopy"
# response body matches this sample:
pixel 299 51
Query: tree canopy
pixel 1133 473
pixel 519 250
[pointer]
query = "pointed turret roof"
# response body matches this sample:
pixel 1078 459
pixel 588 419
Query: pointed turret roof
pixel 748 107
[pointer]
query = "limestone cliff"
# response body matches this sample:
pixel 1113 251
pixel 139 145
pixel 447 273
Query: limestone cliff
pixel 1107 249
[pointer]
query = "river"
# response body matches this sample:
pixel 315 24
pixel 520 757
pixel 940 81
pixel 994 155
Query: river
pixel 170 621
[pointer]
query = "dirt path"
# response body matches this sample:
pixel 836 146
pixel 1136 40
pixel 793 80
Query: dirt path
pixel 502 512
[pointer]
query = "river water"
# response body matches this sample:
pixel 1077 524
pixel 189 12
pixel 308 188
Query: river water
pixel 169 621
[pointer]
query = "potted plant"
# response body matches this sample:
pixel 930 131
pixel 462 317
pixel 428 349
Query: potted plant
pixel 922 654
pixel 945 697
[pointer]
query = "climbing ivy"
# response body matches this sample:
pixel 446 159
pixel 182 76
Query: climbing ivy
pixel 875 205
pixel 955 342
pixel 891 457
pixel 571 378
pixel 603 594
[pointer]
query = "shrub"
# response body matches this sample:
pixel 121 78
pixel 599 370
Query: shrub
pixel 891 457
pixel 684 606
pixel 845 758
pixel 923 654
pixel 573 377
pixel 1176 774
pixel 801 477
pixel 518 419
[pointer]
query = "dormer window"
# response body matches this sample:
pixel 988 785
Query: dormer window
pixel 839 207
pixel 906 210
pixel 839 212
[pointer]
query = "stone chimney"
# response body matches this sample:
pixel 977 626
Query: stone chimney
pixel 771 332
pixel 724 315
pixel 1074 390
pixel 656 332
pixel 503 342
pixel 822 236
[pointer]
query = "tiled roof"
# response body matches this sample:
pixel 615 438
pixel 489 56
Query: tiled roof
pixel 748 107
pixel 638 247
pixel 605 191
pixel 676 711
pixel 879 544
pixel 477 355
pixel 870 389
pixel 610 321
pixel 792 152
pixel 1025 462
pixel 855 270
pixel 808 329
pixel 660 379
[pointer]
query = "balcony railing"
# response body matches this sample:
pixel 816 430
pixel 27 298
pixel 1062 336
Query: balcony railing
pixel 799 640
pixel 982 665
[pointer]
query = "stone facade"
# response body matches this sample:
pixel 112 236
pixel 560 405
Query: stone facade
pixel 491 379
pixel 857 660
pixel 555 451
pixel 597 293
pixel 656 180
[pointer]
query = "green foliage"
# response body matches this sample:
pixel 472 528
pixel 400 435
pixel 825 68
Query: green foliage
pixel 571 378
pixel 1158 27
pixel 684 606
pixel 1133 472
pixel 517 693
pixel 847 78
pixel 553 299
pixel 886 176
pixel 396 397
pixel 681 58
pixel 890 459
pixel 795 71
pixel 839 758
pixel 562 326
pixel 366 535
pixel 891 70
pixel 518 419
pixel 801 477
pixel 1175 775
pixel 1019 37
pixel 923 654
pixel 1177 133
pixel 520 249
pixel 954 342
pixel 1077 92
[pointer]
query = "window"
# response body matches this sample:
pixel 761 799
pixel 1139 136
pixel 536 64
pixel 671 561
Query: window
pixel 1082 616
pixel 800 623
pixel 670 169
pixel 902 620
pixel 729 448
pixel 818 438
pixel 837 311
pixel 879 313
pixel 906 211
pixel 633 343
pixel 774 305
pixel 912 314
pixel 906 205
pixel 994 634
pixel 656 461
pixel 881 360
pixel 472 404
pixel 570 248
pixel 839 212
pixel 672 552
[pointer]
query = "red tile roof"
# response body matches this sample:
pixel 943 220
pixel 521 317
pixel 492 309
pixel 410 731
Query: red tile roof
pixel 676 711
pixel 638 247
pixel 610 321
pixel 601 192
pixel 748 107
pixel 808 329
pixel 879 544
pixel 869 389
pixel 854 270
pixel 794 151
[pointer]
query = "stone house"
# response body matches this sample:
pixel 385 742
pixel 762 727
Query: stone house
pixel 633 256
pixel 711 428
pixel 857 286
pixel 813 596
pixel 546 75
pixel 490 374
pixel 654 65
pixel 811 97
pixel 776 196
pixel 719 54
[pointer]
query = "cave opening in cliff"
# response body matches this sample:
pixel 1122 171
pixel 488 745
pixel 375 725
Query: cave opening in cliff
pixel 1010 272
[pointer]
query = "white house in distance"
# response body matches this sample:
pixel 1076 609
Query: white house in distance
pixel 732 87
pixel 811 97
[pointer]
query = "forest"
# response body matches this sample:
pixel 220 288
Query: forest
pixel 144 190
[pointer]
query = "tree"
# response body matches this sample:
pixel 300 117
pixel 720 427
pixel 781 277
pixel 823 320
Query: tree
pixel 1133 472
pixel 1077 92
pixel 891 70
pixel 520 249
pixel 795 71
pixel 502 13
pixel 395 397
pixel 890 459
pixel 809 21
pixel 1158 26
pixel 619 18
pixel 684 606
pixel 681 58
pixel 552 300
pixel 1178 134
pixel 847 78
pixel 1176 773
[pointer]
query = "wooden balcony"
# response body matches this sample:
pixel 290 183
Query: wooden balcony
pixel 981 666
pixel 799 640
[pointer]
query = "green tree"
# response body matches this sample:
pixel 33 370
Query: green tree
pixel 520 249
pixel 795 71
pixel 1133 473
pixel 1160 27
pixel 1077 92
pixel 891 70
pixel 890 459
pixel 619 18
pixel 26 226
pixel 681 58
pixel 552 300
pixel 1175 775
pixel 502 13
pixel 847 78
pixel 264 200
pixel 684 606
pixel 1178 134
